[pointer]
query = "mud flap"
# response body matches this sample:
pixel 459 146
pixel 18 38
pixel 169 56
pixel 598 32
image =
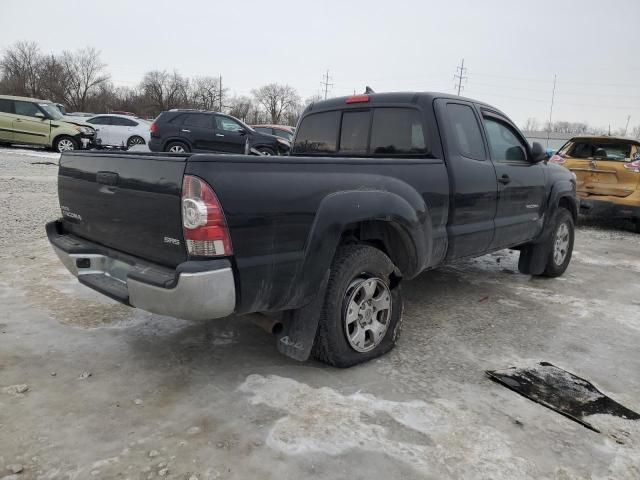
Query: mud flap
pixel 533 259
pixel 561 391
pixel 300 326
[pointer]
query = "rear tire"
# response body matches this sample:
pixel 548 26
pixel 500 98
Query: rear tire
pixel 177 147
pixel 65 143
pixel 135 140
pixel 266 151
pixel 361 315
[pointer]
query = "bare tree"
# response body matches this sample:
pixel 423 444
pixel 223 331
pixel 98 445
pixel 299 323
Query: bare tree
pixel 241 107
pixel 205 93
pixel 83 76
pixel 20 66
pixel 165 90
pixel 530 125
pixel 276 100
pixel 635 133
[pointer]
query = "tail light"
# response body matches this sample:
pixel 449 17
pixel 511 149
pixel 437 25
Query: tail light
pixel 633 166
pixel 357 99
pixel 153 128
pixel 203 224
pixel 559 159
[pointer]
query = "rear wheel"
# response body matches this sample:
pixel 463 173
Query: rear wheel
pixel 135 140
pixel 362 313
pixel 65 144
pixel 266 151
pixel 176 147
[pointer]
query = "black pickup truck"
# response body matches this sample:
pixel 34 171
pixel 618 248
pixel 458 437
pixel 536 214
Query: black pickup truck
pixel 377 189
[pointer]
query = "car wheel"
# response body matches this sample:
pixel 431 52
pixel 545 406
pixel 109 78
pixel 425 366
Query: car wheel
pixel 362 311
pixel 135 140
pixel 560 244
pixel 265 151
pixel 65 144
pixel 176 147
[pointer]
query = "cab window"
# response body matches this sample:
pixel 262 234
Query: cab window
pixel 6 106
pixel 318 133
pixel 100 121
pixel 466 131
pixel 504 144
pixel 27 109
pixel 354 134
pixel 397 131
pixel 122 122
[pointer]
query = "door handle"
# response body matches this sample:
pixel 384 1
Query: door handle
pixel 504 179
pixel 219 135
pixel 18 120
pixel 185 130
pixel 107 178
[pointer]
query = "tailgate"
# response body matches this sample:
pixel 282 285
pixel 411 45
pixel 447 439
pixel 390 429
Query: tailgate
pixel 126 201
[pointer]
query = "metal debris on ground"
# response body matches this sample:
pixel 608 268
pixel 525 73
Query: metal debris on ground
pixel 562 391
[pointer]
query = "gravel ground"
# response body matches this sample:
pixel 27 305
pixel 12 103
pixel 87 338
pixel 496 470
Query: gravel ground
pixel 92 389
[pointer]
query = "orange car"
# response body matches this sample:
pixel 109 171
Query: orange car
pixel 607 173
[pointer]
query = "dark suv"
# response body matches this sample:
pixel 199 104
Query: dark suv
pixel 180 131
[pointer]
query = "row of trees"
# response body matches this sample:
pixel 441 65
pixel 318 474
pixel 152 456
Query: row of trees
pixel 80 81
pixel 577 128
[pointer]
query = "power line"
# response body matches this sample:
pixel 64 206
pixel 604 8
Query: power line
pixel 326 84
pixel 460 70
pixel 553 96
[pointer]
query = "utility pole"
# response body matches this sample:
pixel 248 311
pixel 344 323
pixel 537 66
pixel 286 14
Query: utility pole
pixel 626 126
pixel 326 84
pixel 220 93
pixel 460 76
pixel 553 97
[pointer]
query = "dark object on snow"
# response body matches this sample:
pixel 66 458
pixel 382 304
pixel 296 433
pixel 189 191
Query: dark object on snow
pixel 559 390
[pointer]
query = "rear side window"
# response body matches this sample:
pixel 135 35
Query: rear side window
pixel 318 133
pixel 397 131
pixel 6 106
pixel 122 122
pixel 26 108
pixel 100 121
pixel 354 134
pixel 466 130
pixel 605 150
pixel 197 120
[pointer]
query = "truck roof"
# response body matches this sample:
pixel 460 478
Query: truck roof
pixel 391 97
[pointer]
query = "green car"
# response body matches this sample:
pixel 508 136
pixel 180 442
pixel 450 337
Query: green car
pixel 39 122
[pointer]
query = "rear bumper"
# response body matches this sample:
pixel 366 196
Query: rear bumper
pixel 194 290
pixel 606 209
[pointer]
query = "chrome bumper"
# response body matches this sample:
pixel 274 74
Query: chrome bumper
pixel 199 295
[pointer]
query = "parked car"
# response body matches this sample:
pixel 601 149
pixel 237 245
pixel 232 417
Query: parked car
pixel 607 170
pixel 180 131
pixel 378 188
pixel 120 130
pixel 282 131
pixel 31 121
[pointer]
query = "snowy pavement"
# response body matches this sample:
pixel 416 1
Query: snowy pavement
pixel 93 389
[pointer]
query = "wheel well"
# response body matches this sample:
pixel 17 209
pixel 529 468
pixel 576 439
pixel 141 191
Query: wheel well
pixel 175 140
pixel 388 237
pixel 565 202
pixel 138 136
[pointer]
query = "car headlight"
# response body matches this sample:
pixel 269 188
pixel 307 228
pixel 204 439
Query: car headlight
pixel 85 130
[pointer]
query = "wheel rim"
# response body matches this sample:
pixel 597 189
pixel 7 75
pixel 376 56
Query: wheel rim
pixel 65 145
pixel 177 149
pixel 367 312
pixel 136 141
pixel 561 245
pixel 265 152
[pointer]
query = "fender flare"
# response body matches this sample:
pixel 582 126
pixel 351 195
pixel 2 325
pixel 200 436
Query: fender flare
pixel 562 189
pixel 340 209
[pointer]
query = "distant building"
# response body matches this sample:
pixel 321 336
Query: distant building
pixel 555 140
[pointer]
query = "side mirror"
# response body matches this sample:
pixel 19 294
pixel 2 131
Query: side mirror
pixel 41 116
pixel 242 131
pixel 538 153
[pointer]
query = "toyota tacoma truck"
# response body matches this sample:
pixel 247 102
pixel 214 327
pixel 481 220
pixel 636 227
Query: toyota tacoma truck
pixel 377 189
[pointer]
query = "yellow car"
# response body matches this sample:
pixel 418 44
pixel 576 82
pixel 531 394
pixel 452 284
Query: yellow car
pixel 39 122
pixel 607 173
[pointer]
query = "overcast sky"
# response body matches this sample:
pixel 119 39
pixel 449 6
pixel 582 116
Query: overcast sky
pixel 512 49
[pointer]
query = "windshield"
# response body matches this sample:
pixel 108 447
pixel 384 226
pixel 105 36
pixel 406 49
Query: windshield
pixel 52 111
pixel 283 134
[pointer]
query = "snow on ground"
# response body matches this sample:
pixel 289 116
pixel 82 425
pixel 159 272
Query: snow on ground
pixel 30 152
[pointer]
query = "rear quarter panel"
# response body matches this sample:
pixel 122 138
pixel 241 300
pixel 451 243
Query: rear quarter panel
pixel 271 205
